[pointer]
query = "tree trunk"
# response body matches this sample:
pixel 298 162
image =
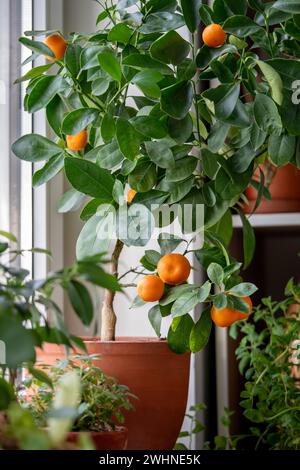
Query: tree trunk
pixel 109 319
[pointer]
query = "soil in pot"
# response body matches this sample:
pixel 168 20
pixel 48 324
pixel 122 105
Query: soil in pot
pixel 284 189
pixel 109 440
pixel 157 376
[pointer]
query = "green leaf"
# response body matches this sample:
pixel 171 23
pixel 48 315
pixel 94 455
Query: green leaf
pixel 181 129
pixel 70 201
pixel 180 191
pixel 150 127
pixel 208 54
pixel 89 179
pixel 90 209
pixel 168 242
pixel 288 69
pixel 55 112
pixel 91 240
pixel 281 149
pixel 183 168
pixel 178 340
pixel 108 127
pixel 33 73
pixel 185 304
pixel 145 61
pixel 215 273
pixel 37 46
pixel 143 177
pixel 176 100
pixel 147 81
pixel 220 301
pixel 160 22
pixel 100 86
pixel 35 148
pixel 160 153
pixel 241 26
pixel 110 64
pixel 289 6
pixel 72 59
pixel 108 156
pixel 257 136
pixel 266 114
pixel 244 289
pixel 200 333
pixel 120 33
pixel 95 275
pixel 9 236
pixel 51 168
pixel 78 120
pixel 41 376
pixel 224 98
pixel 190 9
pixel 43 92
pixel 274 80
pixel 170 48
pixel 248 240
pixel 155 319
pixel 128 139
pixel 118 192
pixel 81 301
pixel 151 197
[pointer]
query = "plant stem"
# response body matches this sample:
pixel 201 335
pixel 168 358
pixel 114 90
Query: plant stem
pixel 109 319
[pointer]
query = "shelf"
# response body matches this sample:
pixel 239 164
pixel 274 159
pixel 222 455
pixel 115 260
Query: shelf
pixel 270 220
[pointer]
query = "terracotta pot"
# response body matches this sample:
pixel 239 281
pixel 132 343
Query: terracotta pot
pixel 284 189
pixel 157 376
pixel 114 440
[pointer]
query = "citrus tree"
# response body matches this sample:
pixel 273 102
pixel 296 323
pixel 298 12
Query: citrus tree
pixel 174 142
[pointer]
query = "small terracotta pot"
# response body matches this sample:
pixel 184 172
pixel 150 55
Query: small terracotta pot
pixel 284 190
pixel 158 377
pixel 114 440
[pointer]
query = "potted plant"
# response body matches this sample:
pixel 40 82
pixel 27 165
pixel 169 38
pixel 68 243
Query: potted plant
pixel 171 144
pixel 100 407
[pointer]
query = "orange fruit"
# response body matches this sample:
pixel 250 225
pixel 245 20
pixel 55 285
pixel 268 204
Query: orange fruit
pixel 174 269
pixel 214 35
pixel 150 288
pixel 78 141
pixel 227 316
pixel 130 195
pixel 57 44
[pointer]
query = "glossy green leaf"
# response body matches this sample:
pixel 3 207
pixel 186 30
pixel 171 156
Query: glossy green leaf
pixel 248 240
pixel 145 61
pixel 51 168
pixel 93 238
pixel 55 112
pixel 78 120
pixel 266 114
pixel 281 149
pixel 215 273
pixel 43 92
pixel 72 59
pixel 120 33
pixel 155 319
pixel 150 126
pixel 240 26
pixel 108 156
pixel 160 154
pixel 147 81
pixel 108 127
pixel 33 73
pixel 200 332
pixel 89 178
pixel 70 201
pixel 224 98
pixel 176 100
pixel 178 340
pixel 128 139
pixel 110 64
pixel 170 48
pixel 160 22
pixel 288 69
pixel 81 301
pixel 289 6
pixel 35 148
pixel 190 9
pixel 244 289
pixel 143 177
pixel 208 54
pixel 274 80
pixel 37 47
pixel 183 169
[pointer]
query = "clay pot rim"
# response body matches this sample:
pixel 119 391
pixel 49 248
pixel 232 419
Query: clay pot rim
pixel 124 340
pixel 117 430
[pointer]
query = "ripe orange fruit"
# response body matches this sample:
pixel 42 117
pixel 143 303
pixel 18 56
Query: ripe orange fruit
pixel 57 44
pixel 227 316
pixel 174 269
pixel 130 195
pixel 78 141
pixel 150 288
pixel 214 35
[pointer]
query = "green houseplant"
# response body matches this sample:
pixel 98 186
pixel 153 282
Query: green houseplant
pixel 268 355
pixel 174 143
pixel 100 411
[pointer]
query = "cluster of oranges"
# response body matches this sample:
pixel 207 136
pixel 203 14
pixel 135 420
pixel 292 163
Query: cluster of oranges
pixel 173 269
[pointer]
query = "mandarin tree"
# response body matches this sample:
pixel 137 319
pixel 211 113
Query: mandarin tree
pixel 176 141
